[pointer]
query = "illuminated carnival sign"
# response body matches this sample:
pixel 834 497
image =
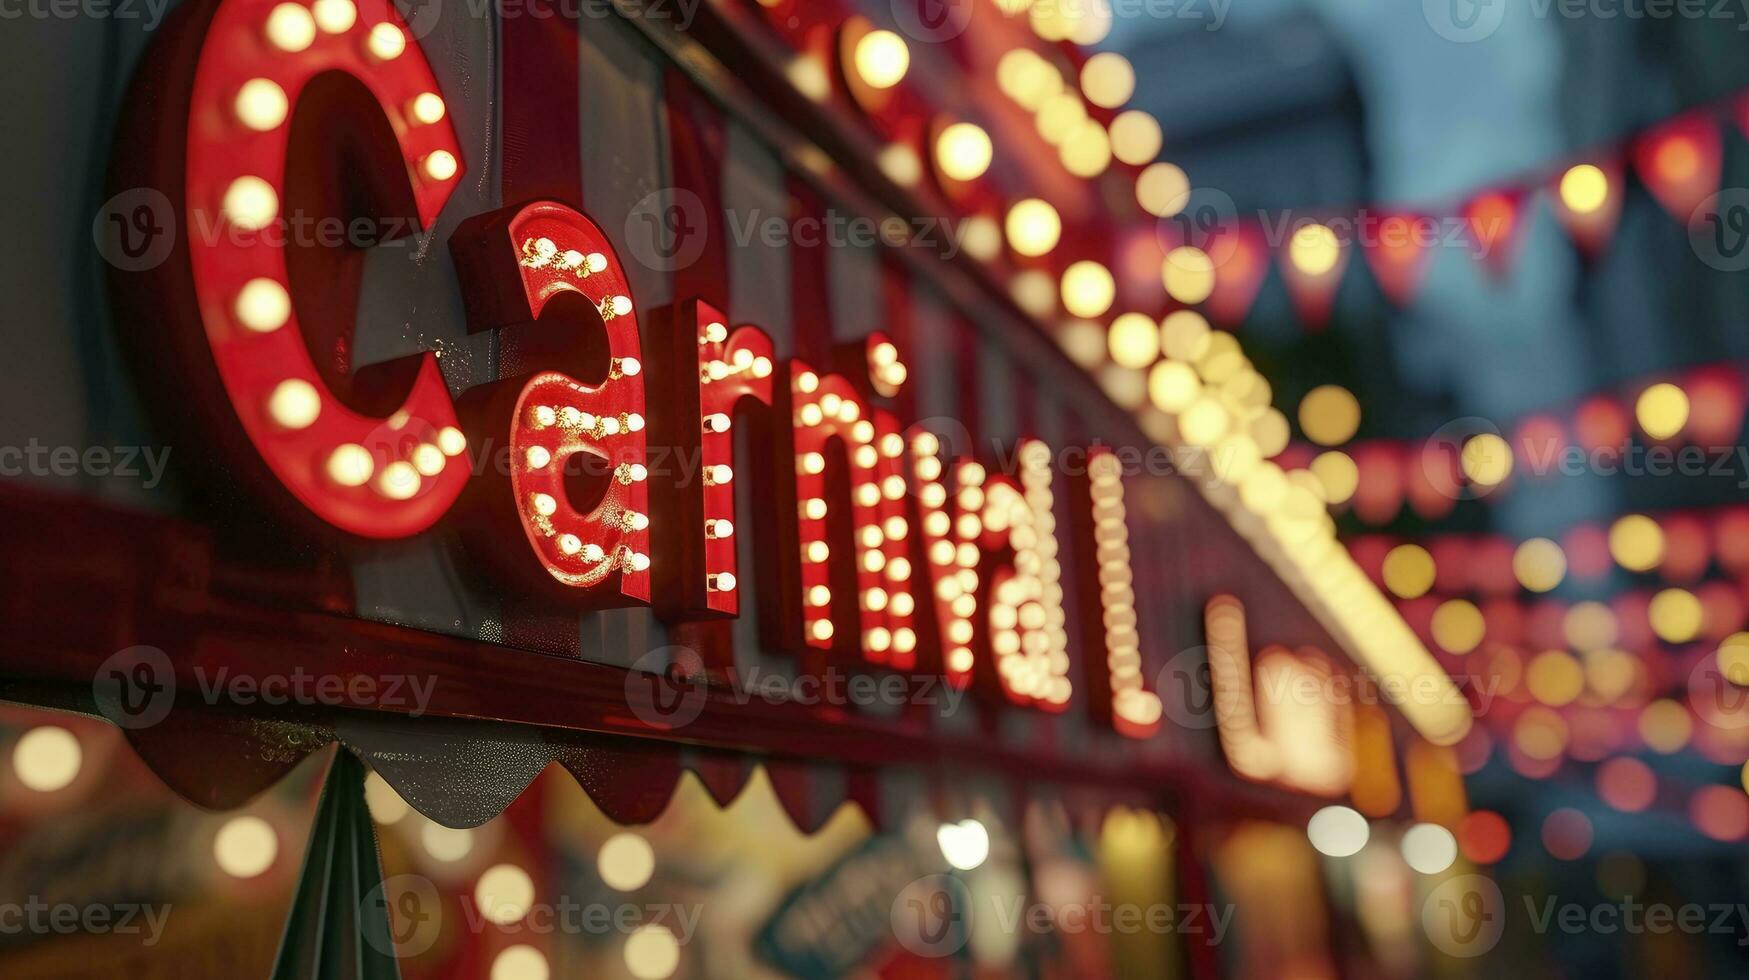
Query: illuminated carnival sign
pixel 276 321
pixel 875 540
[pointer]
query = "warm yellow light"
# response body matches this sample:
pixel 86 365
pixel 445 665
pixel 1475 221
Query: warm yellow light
pixel 1733 658
pixel 1636 542
pixel 245 846
pixel 1033 227
pixel 1539 564
pixel 1662 410
pixel 1135 137
pixel 1338 473
pixel 251 203
pixel 1027 78
pixel 1086 150
pixel 1665 726
pixel 882 59
pixel 1087 288
pixel 520 962
pixel 261 104
pixel 290 27
pixel 440 165
pixel 399 480
pixel 1033 291
pixel 1409 571
pixel 1589 626
pixel 1204 422
pixel 446 844
pixel 1058 116
pixel 981 237
pixel 962 151
pixel 351 465
pixel 386 42
pixel 1676 615
pixel 263 305
pixel 1314 250
pixel 1554 678
pixel 1184 335
pixel 1458 626
pixel 1162 189
pixel 1172 386
pixel 652 952
pixel 899 162
pixel 1134 340
pixel 335 16
pixel 428 108
pixel 1108 80
pixel 504 893
pixel 1486 459
pixel 294 404
pixel 1337 831
pixel 385 805
pixel 1188 274
pixel 626 861
pixel 1584 188
pixel 47 758
pixel 1329 415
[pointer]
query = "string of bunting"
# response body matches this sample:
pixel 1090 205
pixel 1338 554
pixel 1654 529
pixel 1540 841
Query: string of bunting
pixel 1679 161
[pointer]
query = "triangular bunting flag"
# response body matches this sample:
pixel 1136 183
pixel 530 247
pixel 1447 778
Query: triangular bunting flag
pixel 1495 222
pixel 1313 260
pixel 1397 249
pixel 338 928
pixel 1587 201
pixel 1241 259
pixel 1680 162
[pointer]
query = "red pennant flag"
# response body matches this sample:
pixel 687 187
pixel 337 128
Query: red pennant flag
pixel 1680 162
pixel 1313 259
pixel 1495 221
pixel 1240 254
pixel 1397 250
pixel 1587 201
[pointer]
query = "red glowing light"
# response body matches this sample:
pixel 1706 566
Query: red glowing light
pixel 517 262
pixel 1720 812
pixel 1627 784
pixel 1567 834
pixel 1484 836
pixel 379 476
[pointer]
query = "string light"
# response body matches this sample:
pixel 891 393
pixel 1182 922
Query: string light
pixel 963 151
pixel 1033 227
pixel 882 59
pixel 1087 288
